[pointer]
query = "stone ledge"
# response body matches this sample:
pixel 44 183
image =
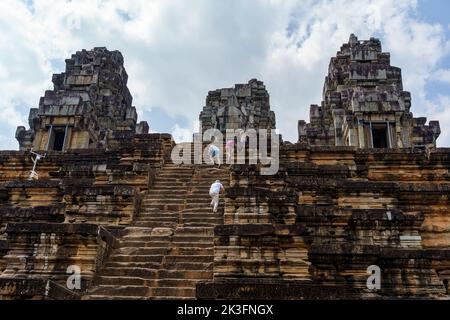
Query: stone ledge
pixel 272 289
pixel 260 230
pixel 109 236
pixel 33 184
pixel 79 228
pixel 234 192
pixel 367 186
pixel 361 215
pixel 379 252
pixel 55 212
pixel 46 289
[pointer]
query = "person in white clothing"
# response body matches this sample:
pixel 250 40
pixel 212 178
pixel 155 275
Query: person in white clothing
pixel 214 192
pixel 214 152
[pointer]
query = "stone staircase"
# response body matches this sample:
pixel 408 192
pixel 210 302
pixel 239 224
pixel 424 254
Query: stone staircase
pixel 169 247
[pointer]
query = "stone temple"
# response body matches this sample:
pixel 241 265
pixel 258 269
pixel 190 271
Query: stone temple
pixel 364 104
pixel 362 195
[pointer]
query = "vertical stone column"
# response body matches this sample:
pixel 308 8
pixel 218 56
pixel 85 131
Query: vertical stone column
pixel 361 142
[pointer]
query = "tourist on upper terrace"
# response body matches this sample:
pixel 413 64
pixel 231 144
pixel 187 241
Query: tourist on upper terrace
pixel 214 153
pixel 241 140
pixel 214 192
pixel 229 146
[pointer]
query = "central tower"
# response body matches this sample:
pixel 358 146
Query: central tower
pixel 246 106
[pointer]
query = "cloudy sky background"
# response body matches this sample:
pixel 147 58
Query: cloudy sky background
pixel 175 51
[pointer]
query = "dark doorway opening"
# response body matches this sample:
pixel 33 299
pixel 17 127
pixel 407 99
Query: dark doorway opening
pixel 58 145
pixel 57 138
pixel 379 136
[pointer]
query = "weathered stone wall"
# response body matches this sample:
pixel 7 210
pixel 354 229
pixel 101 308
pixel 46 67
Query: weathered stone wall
pixel 46 250
pixel 329 214
pixel 51 223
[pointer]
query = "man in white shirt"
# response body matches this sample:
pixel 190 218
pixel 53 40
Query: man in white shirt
pixel 214 152
pixel 214 192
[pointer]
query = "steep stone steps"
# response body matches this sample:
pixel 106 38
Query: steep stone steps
pixel 149 265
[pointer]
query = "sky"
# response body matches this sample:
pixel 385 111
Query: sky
pixel 177 51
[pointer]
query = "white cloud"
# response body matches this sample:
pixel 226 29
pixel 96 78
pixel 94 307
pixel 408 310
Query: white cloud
pixel 439 109
pixel 181 134
pixel 176 51
pixel 441 75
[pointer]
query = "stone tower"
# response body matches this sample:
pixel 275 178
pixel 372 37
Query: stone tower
pixel 89 102
pixel 364 104
pixel 246 106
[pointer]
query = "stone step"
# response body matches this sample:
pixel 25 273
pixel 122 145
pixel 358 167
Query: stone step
pixel 178 167
pixel 115 297
pixel 173 291
pixel 174 198
pixel 201 224
pixel 114 290
pixel 166 189
pixel 193 238
pixel 137 230
pixel 137 258
pixel 130 272
pixel 165 298
pixel 177 172
pixel 189 258
pixel 146 237
pixel 185 274
pixel 133 264
pixel 191 251
pixel 123 281
pixel 156 224
pixel 197 244
pixel 201 219
pixel 141 251
pixel 142 244
pixel 200 266
pixel 156 212
pixel 148 217
pixel 172 171
pixel 173 178
pixel 176 282
pixel 194 231
pixel 163 206
pixel 204 215
pixel 200 196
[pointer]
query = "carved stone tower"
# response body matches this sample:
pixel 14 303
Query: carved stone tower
pixel 364 104
pixel 246 106
pixel 90 101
